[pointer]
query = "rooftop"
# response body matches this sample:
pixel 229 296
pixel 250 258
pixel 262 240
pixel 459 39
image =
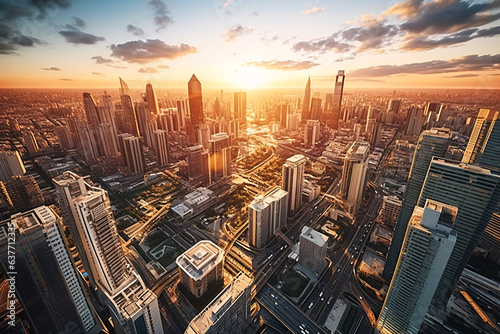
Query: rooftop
pixel 298 158
pixel 314 236
pixel 200 259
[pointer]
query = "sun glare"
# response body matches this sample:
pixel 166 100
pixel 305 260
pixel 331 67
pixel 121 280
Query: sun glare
pixel 250 77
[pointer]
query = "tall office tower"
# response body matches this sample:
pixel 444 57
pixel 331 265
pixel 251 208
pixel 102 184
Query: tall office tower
pixel 10 165
pixel 475 191
pixel 24 192
pixel 357 131
pixel 429 241
pixel 433 107
pixel 306 110
pixel 218 109
pixel 30 141
pixel 201 266
pixel 484 143
pixel 376 133
pixel 228 313
pixel 143 115
pixel 161 147
pixel 151 100
pixel 311 132
pixel 204 135
pixel 414 121
pixel 107 114
pixel 292 122
pixel 431 143
pixel 284 110
pixel 151 127
pixel 316 112
pixel 338 91
pixel 121 145
pixel 240 107
pixel 266 216
pixel 91 112
pixel 64 137
pixel 292 177
pixel 197 161
pixel 329 102
pixel 313 247
pixel 88 213
pixel 219 161
pixel 108 139
pixel 233 128
pixel 108 102
pixel 129 115
pixel 134 155
pixel 195 101
pixel 354 176
pixel 47 282
pixel 491 238
pixel 391 206
pixel 182 109
pixel 394 106
pixel 88 147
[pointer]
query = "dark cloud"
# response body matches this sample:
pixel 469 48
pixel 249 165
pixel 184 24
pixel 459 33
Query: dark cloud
pixel 236 31
pixel 462 76
pixel 11 11
pixel 162 16
pixel 11 39
pixel 135 30
pixel 66 79
pixel 101 60
pixel 464 64
pixel 6 49
pixel 53 68
pixel 46 7
pixel 374 34
pixel 488 32
pixel 147 70
pixel 283 65
pixel 80 37
pixel 80 23
pixel 150 50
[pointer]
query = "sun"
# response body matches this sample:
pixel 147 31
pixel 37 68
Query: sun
pixel 246 77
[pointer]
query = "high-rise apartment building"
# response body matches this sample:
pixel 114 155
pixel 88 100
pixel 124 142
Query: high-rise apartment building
pixel 201 266
pixel 391 206
pixel 228 313
pixel 240 107
pixel 475 191
pixel 87 211
pixel 483 147
pixel 431 143
pixel 429 241
pixel 306 110
pixel 312 251
pixel 353 182
pixel 87 145
pixel 414 121
pixel 129 115
pixel 338 92
pixel 134 155
pixel 292 177
pixel 311 132
pixel 10 165
pixel 219 161
pixel 394 106
pixel 197 161
pixel 161 147
pixel 47 282
pixel 195 101
pixel 266 214
pixel 24 192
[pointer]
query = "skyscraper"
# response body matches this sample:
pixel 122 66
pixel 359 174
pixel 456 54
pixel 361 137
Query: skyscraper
pixel 429 241
pixel 24 192
pixel 161 147
pixel 431 143
pixel 90 108
pixel 151 100
pixel 195 101
pixel 338 91
pixel 134 155
pixel 10 165
pixel 414 121
pixel 240 107
pixel 266 215
pixel 491 238
pixel 47 281
pixel 306 110
pixel 87 145
pixel 316 112
pixel 219 157
pixel 311 132
pixel 108 140
pixel 292 177
pixel 31 143
pixel 64 137
pixel 312 251
pixel 475 191
pixel 129 116
pixel 394 106
pixel 483 147
pixel 89 212
pixel 353 182
pixel 197 164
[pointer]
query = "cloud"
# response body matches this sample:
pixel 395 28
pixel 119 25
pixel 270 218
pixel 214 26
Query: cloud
pixel 150 50
pixel 322 45
pixel 339 60
pixel 101 60
pixel 11 39
pixel 80 23
pixel 283 65
pixel 147 70
pixel 313 10
pixel 462 76
pixel 162 16
pixel 75 36
pixel 164 66
pixel 463 64
pixel 255 14
pixel 373 34
pixel 66 79
pixel 53 68
pixel 135 30
pixel 236 31
pixel 98 73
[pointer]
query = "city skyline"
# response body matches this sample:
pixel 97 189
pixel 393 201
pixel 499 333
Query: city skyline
pixel 248 45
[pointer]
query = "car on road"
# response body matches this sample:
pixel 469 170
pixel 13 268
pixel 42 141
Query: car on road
pixel 360 297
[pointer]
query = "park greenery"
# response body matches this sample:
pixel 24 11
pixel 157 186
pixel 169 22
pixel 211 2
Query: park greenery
pixel 256 157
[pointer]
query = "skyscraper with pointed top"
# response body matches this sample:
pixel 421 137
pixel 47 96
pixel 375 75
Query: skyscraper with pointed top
pixel 306 110
pixel 338 91
pixel 151 99
pixel 129 117
pixel 195 101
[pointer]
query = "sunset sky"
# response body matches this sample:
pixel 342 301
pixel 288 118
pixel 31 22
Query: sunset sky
pixel 245 44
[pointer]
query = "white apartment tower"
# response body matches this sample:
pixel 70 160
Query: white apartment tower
pixel 354 176
pixel 292 177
